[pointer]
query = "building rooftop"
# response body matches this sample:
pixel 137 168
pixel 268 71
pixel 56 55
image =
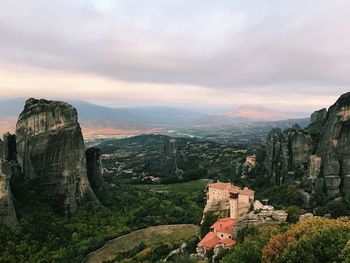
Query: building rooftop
pixel 209 241
pixel 247 191
pixel 231 188
pixel 224 225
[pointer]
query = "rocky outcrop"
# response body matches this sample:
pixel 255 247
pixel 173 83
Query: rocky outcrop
pixel 317 121
pixel 297 146
pixel 274 155
pixel 9 147
pixel 171 159
pixel 1 148
pixel 306 216
pixel 7 210
pixel 249 166
pixel 94 170
pixel 319 154
pixel 51 154
pixel 287 153
pixel 314 169
pixel 334 148
pixel 267 215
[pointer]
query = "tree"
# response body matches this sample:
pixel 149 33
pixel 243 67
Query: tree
pixel 314 240
pixel 209 219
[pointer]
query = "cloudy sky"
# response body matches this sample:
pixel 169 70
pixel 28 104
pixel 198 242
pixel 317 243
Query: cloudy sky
pixel 291 55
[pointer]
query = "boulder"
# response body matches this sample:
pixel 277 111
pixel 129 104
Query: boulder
pixel 280 216
pixel 257 205
pixel 305 216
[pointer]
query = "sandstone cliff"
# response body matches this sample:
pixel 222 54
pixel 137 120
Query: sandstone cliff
pixel 51 153
pixel 318 155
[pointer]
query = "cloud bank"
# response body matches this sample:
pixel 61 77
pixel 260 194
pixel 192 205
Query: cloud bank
pixel 287 54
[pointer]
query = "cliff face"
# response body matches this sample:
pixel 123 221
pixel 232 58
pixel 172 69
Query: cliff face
pixel 287 153
pixel 7 210
pixel 319 154
pixel 274 155
pixel 334 148
pixel 1 148
pixel 51 154
pixel 9 147
pixel 8 168
pixel 94 170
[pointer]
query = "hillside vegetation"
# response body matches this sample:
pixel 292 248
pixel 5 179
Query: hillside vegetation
pixel 158 235
pixel 310 241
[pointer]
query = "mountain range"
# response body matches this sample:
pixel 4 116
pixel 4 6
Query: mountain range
pixel 96 119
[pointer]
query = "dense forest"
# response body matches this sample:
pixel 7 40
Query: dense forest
pixel 42 236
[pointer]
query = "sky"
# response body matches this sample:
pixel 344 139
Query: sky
pixel 290 55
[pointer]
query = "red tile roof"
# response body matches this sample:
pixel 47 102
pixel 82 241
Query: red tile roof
pixel 224 225
pixel 247 191
pixel 209 241
pixel 231 188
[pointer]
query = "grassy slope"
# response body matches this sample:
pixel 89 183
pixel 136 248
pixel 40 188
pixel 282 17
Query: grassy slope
pixel 151 236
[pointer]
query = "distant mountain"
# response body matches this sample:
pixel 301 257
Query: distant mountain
pixel 97 119
pixel 164 114
pixel 100 120
pixel 259 113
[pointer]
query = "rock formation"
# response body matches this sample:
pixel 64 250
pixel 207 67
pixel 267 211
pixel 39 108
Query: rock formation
pixel 7 169
pixel 249 166
pixel 305 216
pixel 274 155
pixel 317 121
pixel 51 153
pixel 7 210
pixel 334 148
pixel 266 215
pixel 319 154
pixel 9 147
pixel 1 148
pixel 94 170
pixel 170 161
pixel 288 153
pixel 314 168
